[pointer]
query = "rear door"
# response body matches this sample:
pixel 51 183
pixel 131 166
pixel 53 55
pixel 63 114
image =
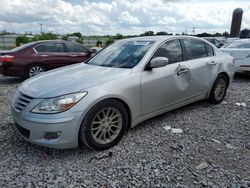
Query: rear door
pixel 52 54
pixel 77 52
pixel 202 66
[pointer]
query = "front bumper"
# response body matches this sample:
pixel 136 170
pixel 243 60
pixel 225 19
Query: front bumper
pixel 35 128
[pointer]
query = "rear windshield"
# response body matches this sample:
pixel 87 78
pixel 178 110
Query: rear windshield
pixel 22 47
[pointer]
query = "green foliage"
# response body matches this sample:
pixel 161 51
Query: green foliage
pixel 77 34
pixel 162 33
pixel 80 40
pixel 99 43
pixel 47 36
pixel 109 41
pixel 118 36
pixel 204 35
pixel 225 34
pixel 22 40
pixel 148 33
pixel 65 37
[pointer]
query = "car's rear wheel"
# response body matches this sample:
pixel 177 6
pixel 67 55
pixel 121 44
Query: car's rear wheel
pixel 34 70
pixel 104 125
pixel 218 90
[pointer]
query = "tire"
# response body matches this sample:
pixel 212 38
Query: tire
pixel 104 125
pixel 34 70
pixel 218 90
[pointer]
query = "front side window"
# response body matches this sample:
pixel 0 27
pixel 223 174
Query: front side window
pixel 72 47
pixel 122 54
pixel 210 51
pixel 195 49
pixel 172 50
pixel 50 47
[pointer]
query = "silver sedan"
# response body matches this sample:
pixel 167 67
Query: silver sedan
pixel 96 102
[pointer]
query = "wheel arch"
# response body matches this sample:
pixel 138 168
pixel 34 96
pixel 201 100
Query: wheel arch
pixel 32 64
pixel 126 107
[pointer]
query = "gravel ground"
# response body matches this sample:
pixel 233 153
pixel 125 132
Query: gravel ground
pixel 212 151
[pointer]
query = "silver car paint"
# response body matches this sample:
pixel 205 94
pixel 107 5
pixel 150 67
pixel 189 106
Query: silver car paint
pixel 146 93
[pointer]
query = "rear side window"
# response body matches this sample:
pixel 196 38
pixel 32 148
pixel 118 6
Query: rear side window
pixel 210 50
pixel 195 49
pixel 50 47
pixel 172 50
pixel 72 47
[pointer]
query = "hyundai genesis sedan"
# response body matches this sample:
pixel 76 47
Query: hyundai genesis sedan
pixel 96 102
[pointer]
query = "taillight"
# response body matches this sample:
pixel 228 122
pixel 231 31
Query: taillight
pixel 6 58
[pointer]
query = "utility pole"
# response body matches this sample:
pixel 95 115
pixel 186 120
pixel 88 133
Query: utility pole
pixel 193 30
pixel 41 27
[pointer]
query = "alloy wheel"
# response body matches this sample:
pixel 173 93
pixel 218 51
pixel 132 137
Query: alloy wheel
pixel 35 70
pixel 106 125
pixel 220 89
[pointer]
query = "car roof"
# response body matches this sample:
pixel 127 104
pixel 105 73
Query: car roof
pixel 160 38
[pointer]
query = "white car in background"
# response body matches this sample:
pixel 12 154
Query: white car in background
pixel 240 50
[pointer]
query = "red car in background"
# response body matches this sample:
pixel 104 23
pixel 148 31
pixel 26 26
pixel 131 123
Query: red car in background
pixel 36 57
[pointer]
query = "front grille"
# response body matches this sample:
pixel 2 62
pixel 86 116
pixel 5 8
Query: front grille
pixel 23 131
pixel 21 101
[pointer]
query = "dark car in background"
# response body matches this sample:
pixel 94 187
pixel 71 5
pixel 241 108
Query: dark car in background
pixel 36 57
pixel 215 41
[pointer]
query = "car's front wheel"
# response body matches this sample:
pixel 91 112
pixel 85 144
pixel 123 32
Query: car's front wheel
pixel 218 90
pixel 104 125
pixel 34 70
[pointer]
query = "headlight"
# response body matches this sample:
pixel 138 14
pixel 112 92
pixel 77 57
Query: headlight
pixel 58 104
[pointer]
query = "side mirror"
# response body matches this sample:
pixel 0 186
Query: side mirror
pixel 93 51
pixel 158 62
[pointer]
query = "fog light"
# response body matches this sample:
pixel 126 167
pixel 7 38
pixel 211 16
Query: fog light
pixel 52 135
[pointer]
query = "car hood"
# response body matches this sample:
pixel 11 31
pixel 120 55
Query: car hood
pixel 69 80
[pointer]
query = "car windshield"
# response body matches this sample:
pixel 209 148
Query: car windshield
pixel 121 54
pixel 238 44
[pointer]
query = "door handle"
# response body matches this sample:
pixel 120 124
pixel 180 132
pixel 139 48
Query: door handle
pixel 212 63
pixel 72 55
pixel 44 55
pixel 182 71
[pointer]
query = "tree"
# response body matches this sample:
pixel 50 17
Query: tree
pixel 47 36
pixel 225 34
pixel 118 36
pixel 204 35
pixel 217 34
pixel 109 41
pixel 80 40
pixel 99 43
pixel 65 37
pixel 78 34
pixel 148 33
pixel 22 40
pixel 162 33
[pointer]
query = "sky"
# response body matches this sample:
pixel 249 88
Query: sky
pixel 102 17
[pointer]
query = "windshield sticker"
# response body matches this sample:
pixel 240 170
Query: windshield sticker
pixel 142 43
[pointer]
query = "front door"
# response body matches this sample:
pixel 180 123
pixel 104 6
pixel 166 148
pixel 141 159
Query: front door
pixel 165 86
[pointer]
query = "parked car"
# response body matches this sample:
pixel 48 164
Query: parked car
pixel 36 57
pixel 240 50
pixel 214 41
pixel 96 102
